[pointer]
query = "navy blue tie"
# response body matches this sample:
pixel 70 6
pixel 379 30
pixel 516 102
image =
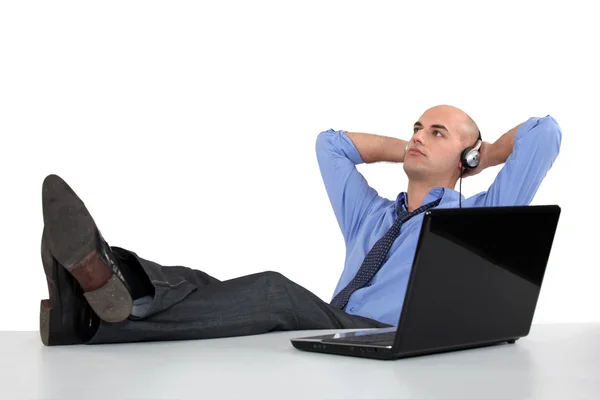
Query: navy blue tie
pixel 375 258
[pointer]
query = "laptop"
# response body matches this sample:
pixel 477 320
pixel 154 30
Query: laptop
pixel 475 281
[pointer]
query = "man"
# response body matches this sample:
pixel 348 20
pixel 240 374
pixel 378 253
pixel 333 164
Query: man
pixel 104 294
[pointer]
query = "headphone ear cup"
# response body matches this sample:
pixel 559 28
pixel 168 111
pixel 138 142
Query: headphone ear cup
pixel 463 157
pixel 469 158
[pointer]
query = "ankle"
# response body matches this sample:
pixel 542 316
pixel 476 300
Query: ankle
pixel 137 280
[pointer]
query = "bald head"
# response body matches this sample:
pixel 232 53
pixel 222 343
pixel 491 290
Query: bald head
pixel 441 134
pixel 471 132
pixel 459 122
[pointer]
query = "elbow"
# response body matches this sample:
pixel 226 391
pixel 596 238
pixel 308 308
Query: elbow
pixel 551 133
pixel 544 134
pixel 336 144
pixel 544 142
pixel 323 140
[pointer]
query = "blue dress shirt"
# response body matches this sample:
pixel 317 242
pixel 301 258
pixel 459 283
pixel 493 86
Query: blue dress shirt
pixel 364 216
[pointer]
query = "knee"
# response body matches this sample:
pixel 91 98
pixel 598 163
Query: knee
pixel 275 278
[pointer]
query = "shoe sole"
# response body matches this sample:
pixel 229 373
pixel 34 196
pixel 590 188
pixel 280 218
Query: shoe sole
pixel 75 242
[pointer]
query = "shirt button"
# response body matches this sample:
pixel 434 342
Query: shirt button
pixel 352 309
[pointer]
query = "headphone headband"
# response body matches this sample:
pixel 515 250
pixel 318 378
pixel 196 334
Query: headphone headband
pixel 479 142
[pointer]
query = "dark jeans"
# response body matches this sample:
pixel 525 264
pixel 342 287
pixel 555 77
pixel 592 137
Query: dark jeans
pixel 190 304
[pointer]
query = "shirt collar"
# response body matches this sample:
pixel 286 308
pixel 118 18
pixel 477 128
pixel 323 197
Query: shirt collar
pixel 446 194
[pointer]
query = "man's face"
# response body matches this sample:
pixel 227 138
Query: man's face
pixel 440 134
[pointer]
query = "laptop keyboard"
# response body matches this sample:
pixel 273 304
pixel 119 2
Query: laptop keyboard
pixel 385 338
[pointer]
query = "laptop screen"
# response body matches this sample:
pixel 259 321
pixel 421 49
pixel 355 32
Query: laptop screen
pixel 477 274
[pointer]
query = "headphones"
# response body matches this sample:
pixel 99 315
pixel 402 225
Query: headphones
pixel 470 156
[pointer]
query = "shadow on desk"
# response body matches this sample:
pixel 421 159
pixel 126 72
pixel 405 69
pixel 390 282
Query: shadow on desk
pixel 498 371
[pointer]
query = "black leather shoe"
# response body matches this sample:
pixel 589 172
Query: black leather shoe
pixel 65 318
pixel 74 241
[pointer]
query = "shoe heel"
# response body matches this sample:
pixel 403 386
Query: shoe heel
pixel 112 302
pixel 52 329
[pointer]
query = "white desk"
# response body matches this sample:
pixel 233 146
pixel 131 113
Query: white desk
pixel 553 362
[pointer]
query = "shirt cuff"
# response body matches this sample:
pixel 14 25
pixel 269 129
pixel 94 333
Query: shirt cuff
pixel 350 149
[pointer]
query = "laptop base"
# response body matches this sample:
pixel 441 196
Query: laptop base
pixel 314 345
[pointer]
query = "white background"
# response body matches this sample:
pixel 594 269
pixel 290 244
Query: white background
pixel 188 128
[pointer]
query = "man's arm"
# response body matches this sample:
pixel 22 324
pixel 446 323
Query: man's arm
pixel 528 151
pixel 338 153
pixel 377 148
pixel 499 151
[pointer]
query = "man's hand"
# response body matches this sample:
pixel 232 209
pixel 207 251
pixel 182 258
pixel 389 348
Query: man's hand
pixel 485 160
pixel 492 154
